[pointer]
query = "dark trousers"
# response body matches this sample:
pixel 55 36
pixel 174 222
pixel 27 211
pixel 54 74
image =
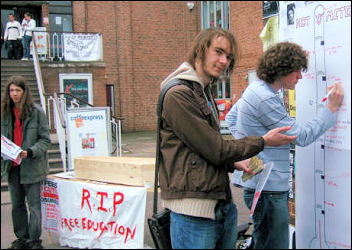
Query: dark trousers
pixel 23 228
pixel 14 48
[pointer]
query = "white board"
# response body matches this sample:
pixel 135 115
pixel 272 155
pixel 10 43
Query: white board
pixel 323 169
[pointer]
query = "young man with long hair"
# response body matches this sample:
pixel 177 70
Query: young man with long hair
pixel 26 125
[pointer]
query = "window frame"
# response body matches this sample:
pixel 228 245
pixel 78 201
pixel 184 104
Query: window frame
pixel 219 90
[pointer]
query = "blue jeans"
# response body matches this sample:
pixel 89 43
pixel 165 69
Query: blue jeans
pixel 26 41
pixel 270 219
pixel 189 232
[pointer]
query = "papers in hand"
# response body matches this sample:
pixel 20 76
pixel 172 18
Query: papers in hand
pixel 10 151
pixel 260 185
pixel 256 165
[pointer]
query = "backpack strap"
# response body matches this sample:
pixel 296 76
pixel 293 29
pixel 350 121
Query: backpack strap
pixel 159 110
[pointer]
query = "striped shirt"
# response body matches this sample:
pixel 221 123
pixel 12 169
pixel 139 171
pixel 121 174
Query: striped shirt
pixel 259 110
pixel 13 31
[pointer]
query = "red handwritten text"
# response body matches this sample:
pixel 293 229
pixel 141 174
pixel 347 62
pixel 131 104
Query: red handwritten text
pixel 302 22
pixel 90 225
pixel 117 200
pixel 338 13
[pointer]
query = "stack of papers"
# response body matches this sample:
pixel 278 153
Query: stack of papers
pixel 10 151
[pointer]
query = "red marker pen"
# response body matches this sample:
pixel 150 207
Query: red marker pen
pixel 327 95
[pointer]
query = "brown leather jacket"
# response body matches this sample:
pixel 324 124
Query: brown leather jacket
pixel 195 159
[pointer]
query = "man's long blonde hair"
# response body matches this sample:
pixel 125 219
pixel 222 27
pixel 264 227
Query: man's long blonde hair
pixel 202 42
pixel 26 103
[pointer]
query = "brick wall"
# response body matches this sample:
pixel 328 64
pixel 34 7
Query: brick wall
pixel 246 23
pixel 143 42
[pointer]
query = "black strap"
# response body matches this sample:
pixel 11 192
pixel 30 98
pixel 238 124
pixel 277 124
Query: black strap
pixel 159 110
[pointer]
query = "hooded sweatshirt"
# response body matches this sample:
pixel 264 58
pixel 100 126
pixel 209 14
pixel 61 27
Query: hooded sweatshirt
pixel 186 72
pixel 195 158
pixel 190 206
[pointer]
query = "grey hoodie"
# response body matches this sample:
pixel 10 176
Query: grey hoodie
pixel 186 72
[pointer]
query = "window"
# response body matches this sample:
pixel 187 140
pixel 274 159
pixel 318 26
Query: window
pixel 60 20
pixel 216 14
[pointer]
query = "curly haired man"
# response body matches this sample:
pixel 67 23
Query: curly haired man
pixel 259 110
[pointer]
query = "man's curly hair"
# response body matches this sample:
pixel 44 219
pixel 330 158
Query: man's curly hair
pixel 280 60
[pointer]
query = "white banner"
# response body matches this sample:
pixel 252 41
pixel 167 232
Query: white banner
pixel 82 47
pixel 95 215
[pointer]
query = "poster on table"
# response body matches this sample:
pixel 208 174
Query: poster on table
pixel 40 36
pixel 323 29
pixel 82 47
pixel 88 133
pixel 49 197
pixel 94 215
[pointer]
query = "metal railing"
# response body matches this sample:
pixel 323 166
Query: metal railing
pixel 60 106
pixel 60 126
pixel 59 102
pixel 38 75
pixel 52 46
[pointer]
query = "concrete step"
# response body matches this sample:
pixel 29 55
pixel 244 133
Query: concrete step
pixel 28 76
pixel 9 69
pixel 54 153
pixel 55 160
pixel 5 62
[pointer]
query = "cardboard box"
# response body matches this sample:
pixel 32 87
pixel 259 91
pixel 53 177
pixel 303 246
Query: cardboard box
pixel 120 170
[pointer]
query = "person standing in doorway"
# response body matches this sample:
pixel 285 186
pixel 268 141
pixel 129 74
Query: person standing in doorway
pixel 28 24
pixel 195 160
pixel 13 37
pixel 26 124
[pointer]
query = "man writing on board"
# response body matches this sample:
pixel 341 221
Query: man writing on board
pixel 259 110
pixel 195 159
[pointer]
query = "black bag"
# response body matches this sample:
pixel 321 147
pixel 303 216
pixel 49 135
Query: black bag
pixel 159 223
pixel 159 226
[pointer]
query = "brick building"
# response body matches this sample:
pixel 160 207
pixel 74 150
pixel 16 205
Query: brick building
pixel 142 43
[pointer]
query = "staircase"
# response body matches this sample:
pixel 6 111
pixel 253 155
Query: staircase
pixel 23 68
pixel 26 69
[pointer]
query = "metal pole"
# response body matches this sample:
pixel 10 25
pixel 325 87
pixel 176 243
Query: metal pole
pixel 48 114
pixel 120 144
